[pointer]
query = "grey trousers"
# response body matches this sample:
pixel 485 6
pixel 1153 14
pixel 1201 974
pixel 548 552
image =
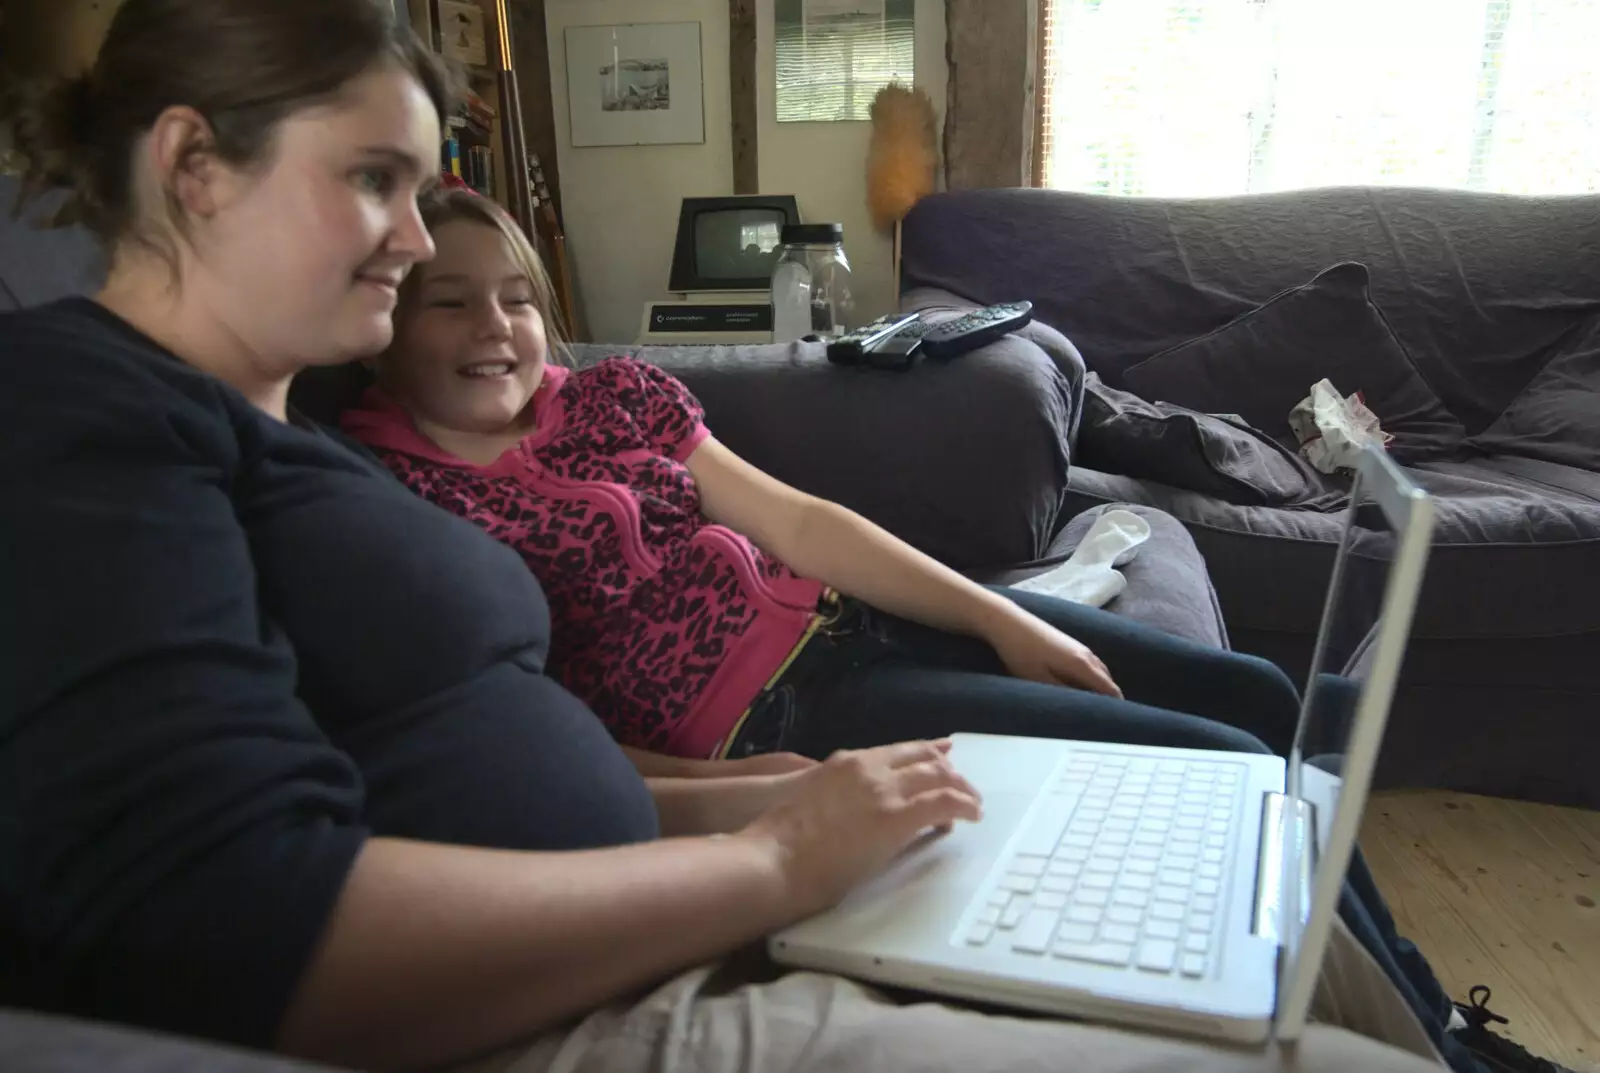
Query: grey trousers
pixel 749 1016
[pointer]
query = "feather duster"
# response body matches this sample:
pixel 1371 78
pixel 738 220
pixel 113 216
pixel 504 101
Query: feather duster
pixel 904 155
pixel 903 160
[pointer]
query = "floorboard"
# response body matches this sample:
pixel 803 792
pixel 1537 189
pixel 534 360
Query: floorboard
pixel 1502 893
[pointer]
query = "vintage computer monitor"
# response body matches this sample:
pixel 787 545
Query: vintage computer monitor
pixel 721 271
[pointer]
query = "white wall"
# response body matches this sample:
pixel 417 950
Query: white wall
pixel 620 203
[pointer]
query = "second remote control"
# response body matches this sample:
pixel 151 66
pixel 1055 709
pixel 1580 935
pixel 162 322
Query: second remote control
pixel 955 337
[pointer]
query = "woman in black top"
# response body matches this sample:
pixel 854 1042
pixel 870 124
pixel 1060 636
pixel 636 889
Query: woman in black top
pixel 278 761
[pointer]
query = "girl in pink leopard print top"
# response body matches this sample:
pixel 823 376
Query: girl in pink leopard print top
pixel 705 610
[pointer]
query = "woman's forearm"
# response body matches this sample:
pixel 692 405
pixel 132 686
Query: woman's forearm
pixel 435 953
pixel 839 547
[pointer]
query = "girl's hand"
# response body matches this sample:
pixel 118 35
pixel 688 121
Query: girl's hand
pixel 1033 649
pixel 844 821
pixel 763 764
pixel 728 804
pixel 658 765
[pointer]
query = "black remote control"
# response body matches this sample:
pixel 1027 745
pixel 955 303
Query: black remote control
pixel 955 337
pixel 853 348
pixel 899 352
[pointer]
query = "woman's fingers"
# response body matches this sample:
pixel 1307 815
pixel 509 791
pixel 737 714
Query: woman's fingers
pixel 905 753
pixel 942 807
pixel 860 808
pixel 930 776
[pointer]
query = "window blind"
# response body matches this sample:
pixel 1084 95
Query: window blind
pixel 1044 70
pixel 1220 97
pixel 833 58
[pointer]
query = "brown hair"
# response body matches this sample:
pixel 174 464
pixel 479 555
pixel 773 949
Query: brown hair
pixel 445 205
pixel 245 65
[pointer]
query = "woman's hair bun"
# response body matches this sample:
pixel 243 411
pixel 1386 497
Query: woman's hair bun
pixel 245 65
pixel 52 126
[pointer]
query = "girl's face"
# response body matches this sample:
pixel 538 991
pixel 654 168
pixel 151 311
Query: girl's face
pixel 469 348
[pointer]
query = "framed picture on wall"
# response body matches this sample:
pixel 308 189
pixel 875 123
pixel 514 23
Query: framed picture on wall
pixel 635 84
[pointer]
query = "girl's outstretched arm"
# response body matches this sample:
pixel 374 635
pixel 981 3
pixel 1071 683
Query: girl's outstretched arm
pixel 825 541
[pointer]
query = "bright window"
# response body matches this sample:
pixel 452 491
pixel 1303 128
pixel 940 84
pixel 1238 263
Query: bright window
pixel 1218 97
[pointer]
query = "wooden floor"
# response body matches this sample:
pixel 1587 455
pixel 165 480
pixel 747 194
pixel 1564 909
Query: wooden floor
pixel 1501 893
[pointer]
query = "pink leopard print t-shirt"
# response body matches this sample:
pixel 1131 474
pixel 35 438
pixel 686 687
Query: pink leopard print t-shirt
pixel 666 625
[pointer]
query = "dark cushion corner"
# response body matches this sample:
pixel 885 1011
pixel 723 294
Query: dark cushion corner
pixel 1261 364
pixel 1556 418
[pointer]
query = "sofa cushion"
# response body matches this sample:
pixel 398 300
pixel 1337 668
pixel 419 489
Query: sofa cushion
pixel 1168 587
pixel 1201 452
pixel 39 265
pixel 1262 363
pixel 1557 417
pixel 1508 532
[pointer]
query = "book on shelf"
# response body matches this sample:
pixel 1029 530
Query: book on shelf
pixel 479 164
pixel 472 164
pixel 468 129
pixel 480 108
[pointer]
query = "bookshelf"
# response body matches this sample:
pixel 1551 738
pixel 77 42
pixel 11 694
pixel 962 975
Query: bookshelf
pixel 487 138
pixel 41 38
pixel 491 138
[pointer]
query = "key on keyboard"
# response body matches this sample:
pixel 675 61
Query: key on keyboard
pixel 1120 864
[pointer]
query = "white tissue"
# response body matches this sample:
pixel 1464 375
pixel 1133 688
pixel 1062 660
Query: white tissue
pixel 1090 575
pixel 1332 429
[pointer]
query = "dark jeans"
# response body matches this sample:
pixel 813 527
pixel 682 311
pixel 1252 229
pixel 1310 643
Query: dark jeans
pixel 873 678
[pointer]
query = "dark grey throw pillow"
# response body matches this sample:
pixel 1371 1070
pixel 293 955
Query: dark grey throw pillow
pixel 1157 441
pixel 1261 364
pixel 1557 416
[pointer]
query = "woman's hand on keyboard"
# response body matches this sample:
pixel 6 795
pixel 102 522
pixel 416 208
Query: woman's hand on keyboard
pixel 847 818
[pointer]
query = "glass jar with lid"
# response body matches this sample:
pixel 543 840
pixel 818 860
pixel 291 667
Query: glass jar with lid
pixel 811 292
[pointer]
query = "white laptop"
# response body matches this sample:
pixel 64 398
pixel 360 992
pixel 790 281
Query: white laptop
pixel 1180 889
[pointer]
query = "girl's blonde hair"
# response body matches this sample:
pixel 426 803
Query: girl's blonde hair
pixel 446 205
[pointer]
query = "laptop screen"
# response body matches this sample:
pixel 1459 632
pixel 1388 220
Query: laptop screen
pixel 1342 661
pixel 1366 621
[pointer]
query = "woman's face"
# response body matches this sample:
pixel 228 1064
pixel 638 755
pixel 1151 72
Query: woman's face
pixel 469 349
pixel 304 255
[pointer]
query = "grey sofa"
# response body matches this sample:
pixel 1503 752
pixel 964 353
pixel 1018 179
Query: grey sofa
pixel 1491 300
pixel 38 1043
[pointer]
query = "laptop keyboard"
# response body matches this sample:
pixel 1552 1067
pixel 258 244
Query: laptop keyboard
pixel 1121 863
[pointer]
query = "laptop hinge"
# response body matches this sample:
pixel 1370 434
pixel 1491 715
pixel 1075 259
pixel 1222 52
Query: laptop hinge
pixel 1288 833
